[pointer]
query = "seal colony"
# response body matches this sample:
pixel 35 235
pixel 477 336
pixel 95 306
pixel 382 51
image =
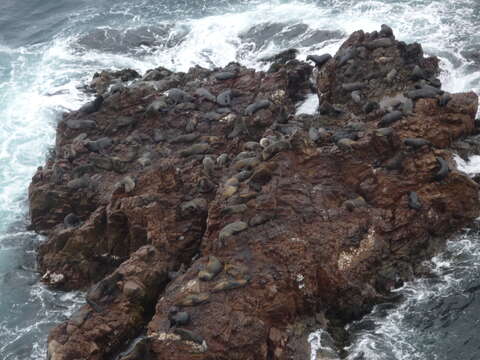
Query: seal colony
pixel 204 215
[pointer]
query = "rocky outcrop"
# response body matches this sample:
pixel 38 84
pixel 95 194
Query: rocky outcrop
pixel 207 213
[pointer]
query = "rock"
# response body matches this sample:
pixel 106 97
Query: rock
pixel 282 57
pixel 287 213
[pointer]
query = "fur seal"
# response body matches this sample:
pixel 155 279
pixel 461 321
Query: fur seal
pixel 99 145
pixel 188 335
pixel 127 184
pixel 384 131
pixel 222 160
pixel 418 73
pixel 346 144
pixel 443 171
pixel 208 165
pixel 313 134
pixel 414 201
pixel 187 138
pixel 232 229
pixel 386 31
pixel 214 267
pixel 275 148
pixel 356 97
pixel 224 98
pixel 92 106
pixel 177 317
pixel 319 60
pixel 193 299
pixel 391 75
pixel 326 108
pixel 205 185
pixel 390 118
pixel 370 106
pixel 205 94
pixel 195 149
pixel 97 308
pixel 444 99
pixel 354 86
pixel 225 75
pixel 379 43
pixel 80 124
pixel 243 175
pixel 422 93
pixel 416 143
pixel 229 285
pixel 282 57
pixel 253 108
pixel 80 183
pixel 396 162
pixel 349 54
pixel 352 204
pixel 71 221
pixel 178 96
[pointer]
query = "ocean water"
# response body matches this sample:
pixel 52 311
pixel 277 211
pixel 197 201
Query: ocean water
pixel 50 48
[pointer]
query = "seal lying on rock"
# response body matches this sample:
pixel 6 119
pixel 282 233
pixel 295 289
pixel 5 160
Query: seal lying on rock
pixel 92 106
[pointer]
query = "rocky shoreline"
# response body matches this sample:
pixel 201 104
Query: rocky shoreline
pixel 198 208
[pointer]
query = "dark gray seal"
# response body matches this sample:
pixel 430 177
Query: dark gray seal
pixel 205 94
pixel 71 221
pixel 416 143
pixel 319 60
pixel 422 93
pixel 177 317
pixel 253 108
pixel 354 86
pixel 390 118
pixel 349 54
pixel 225 75
pixel 99 145
pixel 92 106
pixel 443 171
pixel 444 100
pixel 379 43
pixel 224 98
pixel 414 201
pixel 386 31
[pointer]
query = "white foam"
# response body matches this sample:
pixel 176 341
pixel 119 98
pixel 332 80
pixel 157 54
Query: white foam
pixel 471 167
pixel 309 106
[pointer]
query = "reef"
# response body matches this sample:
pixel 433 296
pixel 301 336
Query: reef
pixel 202 214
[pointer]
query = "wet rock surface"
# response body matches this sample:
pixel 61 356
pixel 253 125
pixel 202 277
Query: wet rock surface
pixel 197 206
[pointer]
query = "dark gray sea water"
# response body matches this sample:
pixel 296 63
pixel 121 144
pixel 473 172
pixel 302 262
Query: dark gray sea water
pixel 49 48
